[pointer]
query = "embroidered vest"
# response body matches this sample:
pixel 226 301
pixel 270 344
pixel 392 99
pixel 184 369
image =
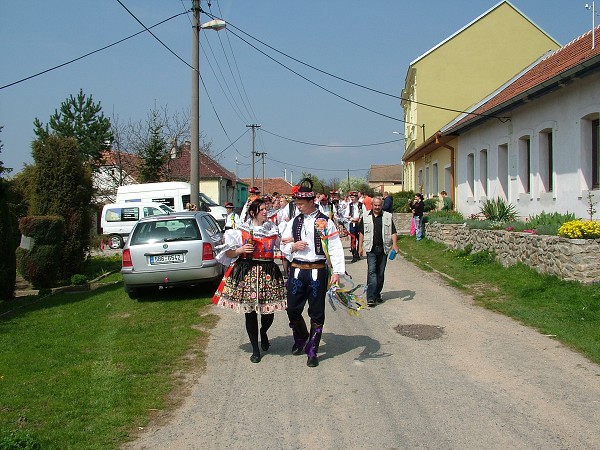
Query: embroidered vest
pixel 297 230
pixel 263 245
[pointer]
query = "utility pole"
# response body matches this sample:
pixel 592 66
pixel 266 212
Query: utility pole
pixel 195 125
pixel 263 171
pixel 253 126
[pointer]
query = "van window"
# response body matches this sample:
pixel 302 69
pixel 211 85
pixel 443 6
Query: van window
pixel 131 214
pixel 152 211
pixel 169 201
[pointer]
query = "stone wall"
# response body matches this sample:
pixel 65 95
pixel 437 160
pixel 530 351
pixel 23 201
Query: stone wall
pixel 570 259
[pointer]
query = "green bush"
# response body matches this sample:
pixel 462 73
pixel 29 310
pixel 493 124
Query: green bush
pixel 19 440
pixel 401 201
pixel 40 264
pixel 78 279
pixel 498 210
pixel 430 204
pixel 446 217
pixel 8 242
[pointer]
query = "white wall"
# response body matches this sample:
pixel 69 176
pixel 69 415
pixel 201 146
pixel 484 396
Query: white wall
pixel 562 114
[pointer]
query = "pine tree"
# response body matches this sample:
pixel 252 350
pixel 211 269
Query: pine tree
pixel 80 118
pixel 154 154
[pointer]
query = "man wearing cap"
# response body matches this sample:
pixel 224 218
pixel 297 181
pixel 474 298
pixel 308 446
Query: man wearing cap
pixel 253 194
pixel 308 277
pixel 232 220
pixel 354 212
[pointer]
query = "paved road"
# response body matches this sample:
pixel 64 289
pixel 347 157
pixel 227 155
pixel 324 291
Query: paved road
pixel 486 382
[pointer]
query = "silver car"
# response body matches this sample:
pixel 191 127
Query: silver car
pixel 172 250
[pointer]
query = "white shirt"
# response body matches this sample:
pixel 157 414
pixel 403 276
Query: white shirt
pixel 232 220
pixel 307 234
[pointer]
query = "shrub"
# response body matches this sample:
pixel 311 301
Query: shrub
pixel 401 200
pixel 498 210
pixel 78 279
pixel 446 217
pixel 41 263
pixel 430 204
pixel 580 229
pixel 8 242
pixel 19 440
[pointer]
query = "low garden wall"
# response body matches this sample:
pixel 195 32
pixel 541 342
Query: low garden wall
pixel 569 259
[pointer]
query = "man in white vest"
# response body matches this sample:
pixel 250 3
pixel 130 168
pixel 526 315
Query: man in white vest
pixel 378 239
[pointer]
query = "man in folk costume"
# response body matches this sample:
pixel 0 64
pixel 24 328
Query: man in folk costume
pixel 309 277
pixel 354 217
pixel 232 220
pixel 253 194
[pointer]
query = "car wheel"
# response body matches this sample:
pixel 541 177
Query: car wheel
pixel 132 293
pixel 115 241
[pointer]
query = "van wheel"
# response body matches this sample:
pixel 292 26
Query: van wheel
pixel 115 241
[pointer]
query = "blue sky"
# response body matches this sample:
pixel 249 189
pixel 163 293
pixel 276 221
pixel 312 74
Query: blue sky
pixel 369 43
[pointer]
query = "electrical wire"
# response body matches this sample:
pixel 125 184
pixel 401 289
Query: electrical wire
pixel 329 145
pixel 88 54
pixel 501 118
pixel 315 168
pixel 155 36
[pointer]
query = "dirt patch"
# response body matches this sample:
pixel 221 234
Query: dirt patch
pixel 420 332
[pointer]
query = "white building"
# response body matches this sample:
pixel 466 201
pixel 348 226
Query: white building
pixel 535 141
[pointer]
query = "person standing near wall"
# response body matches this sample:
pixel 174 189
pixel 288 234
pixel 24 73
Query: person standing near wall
pixel 417 210
pixel 388 202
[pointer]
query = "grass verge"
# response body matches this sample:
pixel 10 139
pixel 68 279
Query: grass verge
pixel 566 310
pixel 84 370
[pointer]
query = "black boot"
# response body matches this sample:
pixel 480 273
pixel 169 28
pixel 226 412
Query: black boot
pixel 252 330
pixel 312 347
pixel 266 320
pixel 300 333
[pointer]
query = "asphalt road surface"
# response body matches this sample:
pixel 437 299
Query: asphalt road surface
pixel 426 369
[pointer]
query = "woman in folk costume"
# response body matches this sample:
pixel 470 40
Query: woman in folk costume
pixel 253 284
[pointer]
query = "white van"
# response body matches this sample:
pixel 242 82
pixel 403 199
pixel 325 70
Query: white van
pixel 175 194
pixel 118 219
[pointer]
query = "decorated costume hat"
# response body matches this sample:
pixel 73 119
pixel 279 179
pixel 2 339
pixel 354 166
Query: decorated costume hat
pixel 305 190
pixel 254 190
pixel 228 205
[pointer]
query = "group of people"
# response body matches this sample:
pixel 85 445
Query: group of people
pixel 305 233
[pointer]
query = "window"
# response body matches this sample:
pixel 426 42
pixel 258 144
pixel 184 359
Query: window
pixel 130 214
pixel 546 164
pixel 503 168
pixel 483 172
pixel 524 164
pixel 434 180
pixel 427 180
pixel 471 173
pixel 169 201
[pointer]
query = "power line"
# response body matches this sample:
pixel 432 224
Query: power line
pixel 155 36
pixel 352 82
pixel 314 168
pixel 330 145
pixel 88 54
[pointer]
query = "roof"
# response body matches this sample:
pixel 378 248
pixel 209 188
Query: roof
pixel 179 167
pixel 449 38
pixel 552 72
pixel 386 172
pixel 279 185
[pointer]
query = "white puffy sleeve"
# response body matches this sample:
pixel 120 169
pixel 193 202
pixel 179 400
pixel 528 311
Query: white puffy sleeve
pixel 232 240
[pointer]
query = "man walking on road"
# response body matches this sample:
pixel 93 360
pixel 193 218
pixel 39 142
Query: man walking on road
pixel 308 277
pixel 378 238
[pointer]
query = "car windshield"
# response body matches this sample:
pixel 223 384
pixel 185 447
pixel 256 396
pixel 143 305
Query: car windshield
pixel 167 209
pixel 206 200
pixel 183 229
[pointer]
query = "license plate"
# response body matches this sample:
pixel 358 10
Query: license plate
pixel 167 259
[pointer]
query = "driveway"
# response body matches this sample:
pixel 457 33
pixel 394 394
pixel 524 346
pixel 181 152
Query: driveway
pixel 425 369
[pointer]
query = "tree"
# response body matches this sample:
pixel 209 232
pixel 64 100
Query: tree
pixel 154 154
pixel 8 237
pixel 80 118
pixel 62 186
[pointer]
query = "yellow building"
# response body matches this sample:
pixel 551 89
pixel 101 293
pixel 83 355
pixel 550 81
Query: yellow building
pixel 450 78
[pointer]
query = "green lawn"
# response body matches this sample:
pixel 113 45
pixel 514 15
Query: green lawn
pixel 567 310
pixel 82 370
